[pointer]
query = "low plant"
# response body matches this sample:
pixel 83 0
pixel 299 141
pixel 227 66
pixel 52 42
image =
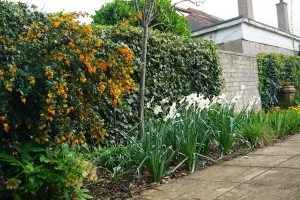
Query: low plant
pixel 157 155
pixel 114 156
pixel 30 172
pixel 117 160
pixel 284 122
pixel 225 122
pixel 190 137
pixel 257 131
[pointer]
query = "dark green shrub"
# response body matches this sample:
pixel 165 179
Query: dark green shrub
pixel 118 11
pixel 274 69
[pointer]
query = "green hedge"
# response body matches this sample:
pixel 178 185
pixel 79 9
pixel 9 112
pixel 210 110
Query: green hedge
pixel 177 66
pixel 274 69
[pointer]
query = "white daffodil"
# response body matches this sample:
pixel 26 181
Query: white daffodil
pixel 191 100
pixel 157 110
pixel 204 104
pixel 172 112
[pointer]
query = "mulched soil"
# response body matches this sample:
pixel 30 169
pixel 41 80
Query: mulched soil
pixel 130 185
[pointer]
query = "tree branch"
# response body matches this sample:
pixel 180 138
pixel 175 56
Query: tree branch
pixel 150 10
pixel 136 5
pixel 145 11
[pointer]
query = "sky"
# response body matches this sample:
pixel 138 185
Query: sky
pixel 264 10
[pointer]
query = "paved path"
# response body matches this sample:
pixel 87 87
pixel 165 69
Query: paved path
pixel 271 173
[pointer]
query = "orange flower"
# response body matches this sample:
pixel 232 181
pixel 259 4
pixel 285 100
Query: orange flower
pixel 12 69
pixel 68 62
pixel 65 96
pixel 56 23
pixel 98 43
pixel 8 88
pixel 126 52
pixel 49 74
pixel 42 127
pixel 102 87
pixel 31 80
pixel 6 127
pixel 1 72
pixel 81 57
pixel 51 110
pixel 46 138
pixel 50 95
pixel 3 117
pixel 82 79
pixel 23 100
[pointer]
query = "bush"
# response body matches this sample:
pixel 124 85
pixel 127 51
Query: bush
pixel 59 80
pixel 176 67
pixel 126 157
pixel 121 12
pixel 284 122
pixel 258 131
pixel 274 69
pixel 34 171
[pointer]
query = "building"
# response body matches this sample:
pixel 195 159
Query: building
pixel 243 34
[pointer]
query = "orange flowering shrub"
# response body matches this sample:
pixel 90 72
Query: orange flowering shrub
pixel 59 80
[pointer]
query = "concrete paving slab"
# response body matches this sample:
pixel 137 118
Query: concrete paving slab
pixel 261 192
pixel 293 163
pixel 234 174
pixel 188 189
pixel 272 173
pixel 288 177
pixel 293 137
pixel 257 161
pixel 278 151
pixel 289 143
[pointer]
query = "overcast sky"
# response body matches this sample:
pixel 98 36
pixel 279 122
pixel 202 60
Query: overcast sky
pixel 264 10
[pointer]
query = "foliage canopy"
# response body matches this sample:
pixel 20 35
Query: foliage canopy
pixel 167 21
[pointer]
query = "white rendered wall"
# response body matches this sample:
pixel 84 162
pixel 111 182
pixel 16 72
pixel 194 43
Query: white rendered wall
pixel 263 36
pixel 249 30
pixel 224 35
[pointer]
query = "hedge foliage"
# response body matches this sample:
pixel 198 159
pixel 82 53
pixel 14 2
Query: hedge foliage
pixel 177 67
pixel 57 77
pixel 274 70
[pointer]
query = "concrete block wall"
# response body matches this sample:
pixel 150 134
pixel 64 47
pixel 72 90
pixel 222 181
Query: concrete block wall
pixel 253 48
pixel 238 70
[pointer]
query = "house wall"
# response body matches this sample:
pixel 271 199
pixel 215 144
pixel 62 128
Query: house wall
pixel 239 69
pixel 262 34
pixel 253 48
pixel 223 35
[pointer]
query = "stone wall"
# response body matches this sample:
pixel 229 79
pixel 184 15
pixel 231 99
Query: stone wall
pixel 238 70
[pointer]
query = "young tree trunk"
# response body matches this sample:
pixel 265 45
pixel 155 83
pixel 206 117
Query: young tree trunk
pixel 143 80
